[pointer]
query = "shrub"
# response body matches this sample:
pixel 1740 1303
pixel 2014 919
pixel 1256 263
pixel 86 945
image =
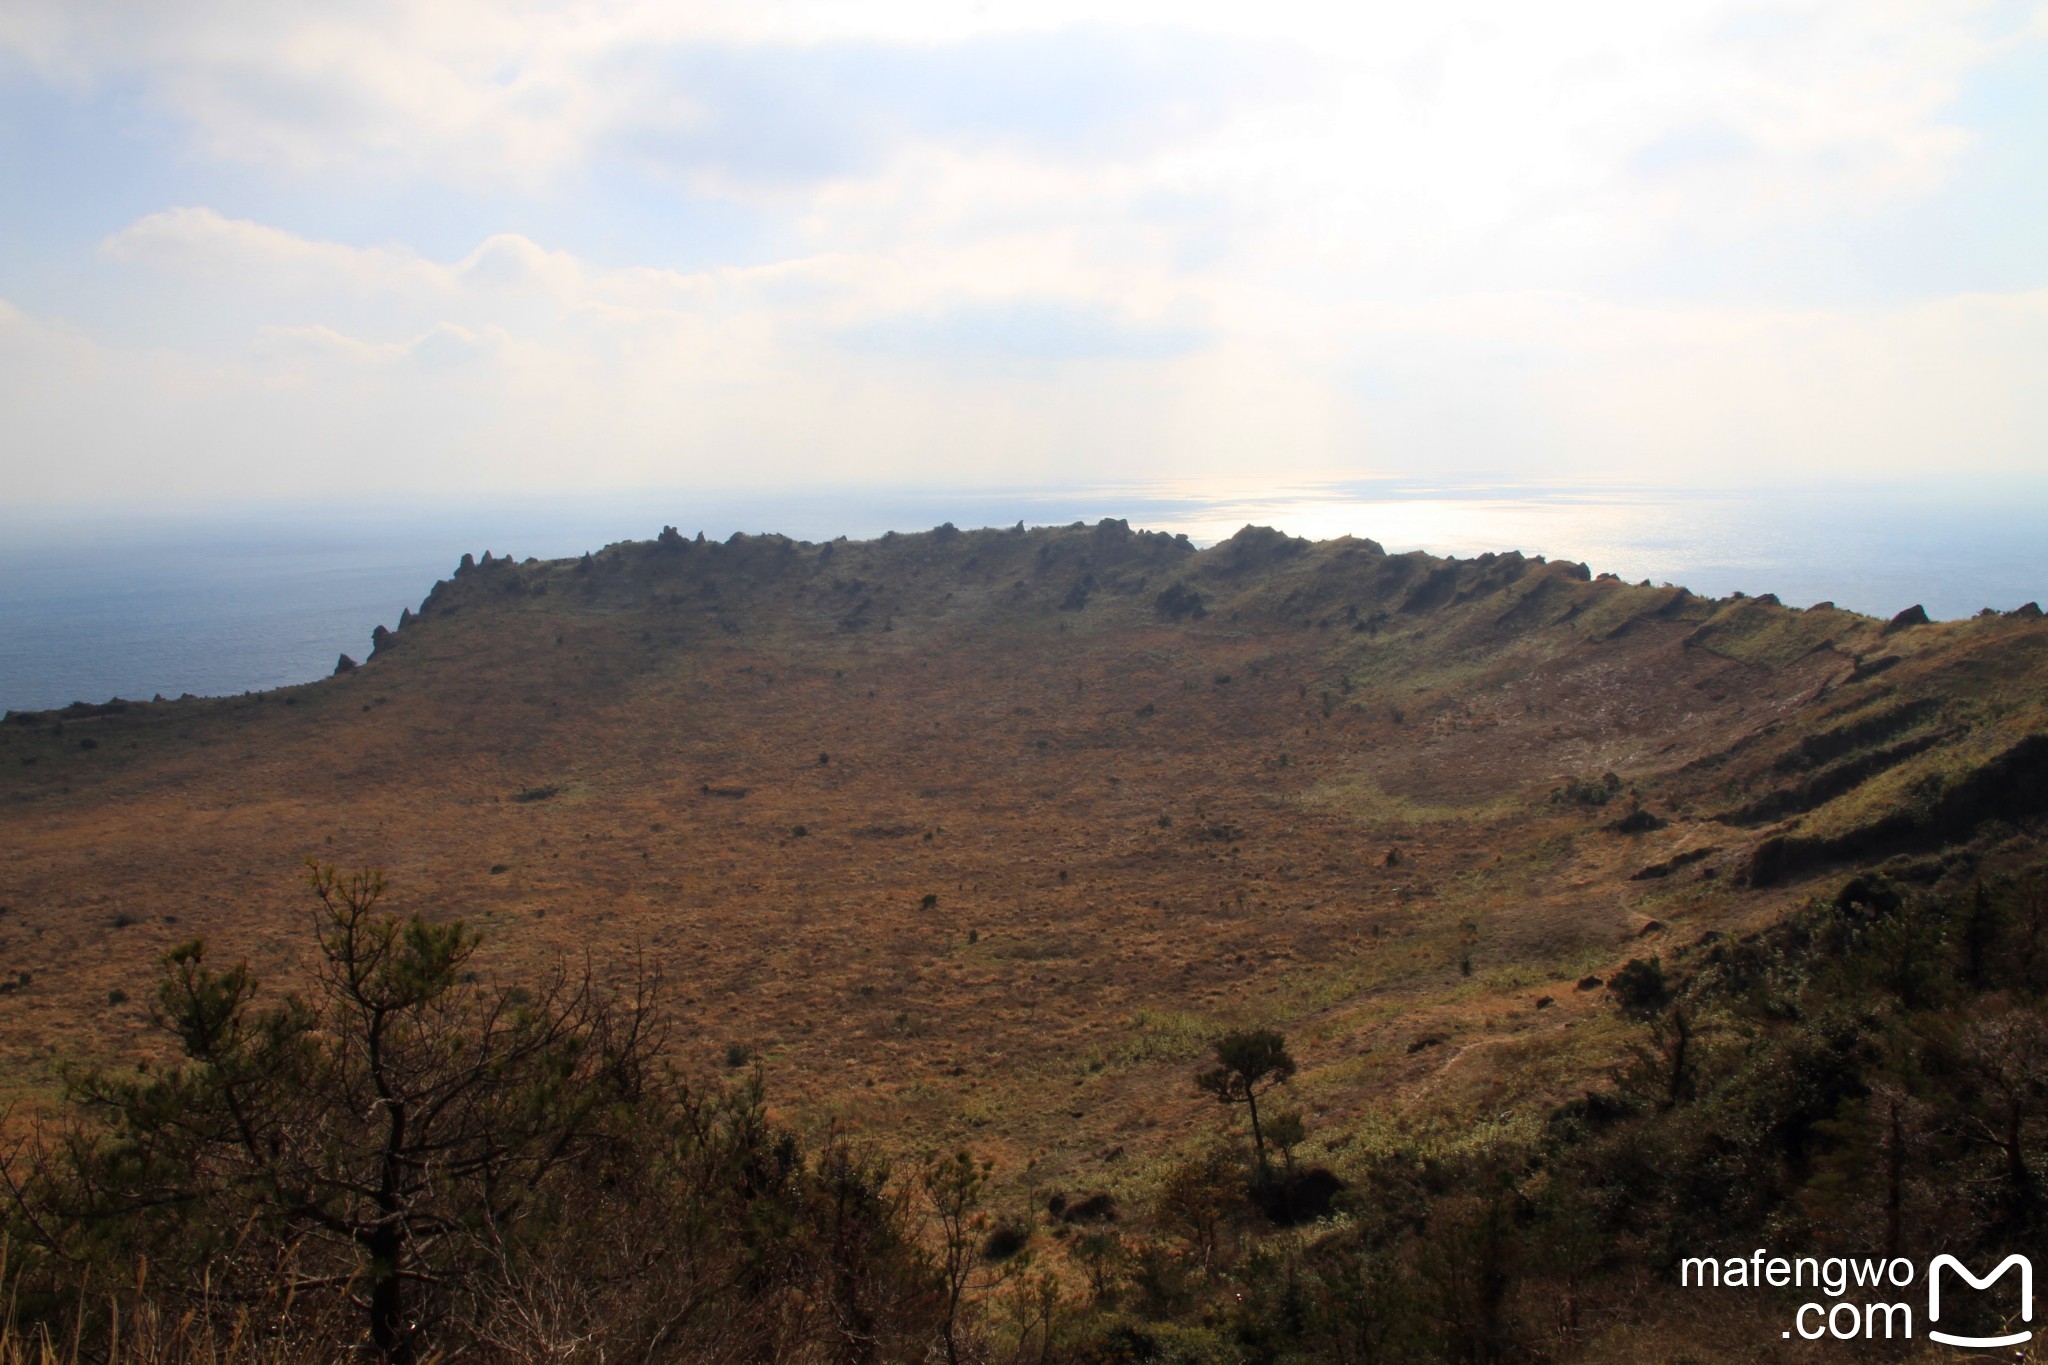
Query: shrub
pixel 1096 1208
pixel 440 1168
pixel 1587 791
pixel 1005 1240
pixel 1640 987
pixel 1637 822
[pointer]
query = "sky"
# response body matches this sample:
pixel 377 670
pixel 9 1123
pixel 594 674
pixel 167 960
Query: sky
pixel 414 249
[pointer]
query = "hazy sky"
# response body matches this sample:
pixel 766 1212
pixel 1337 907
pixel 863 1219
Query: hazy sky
pixel 397 247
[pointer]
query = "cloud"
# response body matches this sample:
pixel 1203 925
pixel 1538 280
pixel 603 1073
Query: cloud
pixel 1595 235
pixel 910 305
pixel 1525 99
pixel 26 340
pixel 783 113
pixel 480 95
pixel 201 242
pixel 449 87
pixel 812 367
pixel 1722 393
pixel 1683 149
pixel 1022 329
pixel 296 351
pixel 1366 150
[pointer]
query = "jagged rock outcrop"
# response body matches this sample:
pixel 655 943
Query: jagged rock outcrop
pixel 344 665
pixel 1915 615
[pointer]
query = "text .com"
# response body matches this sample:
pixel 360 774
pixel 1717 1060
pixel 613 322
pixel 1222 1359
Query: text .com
pixel 1864 1298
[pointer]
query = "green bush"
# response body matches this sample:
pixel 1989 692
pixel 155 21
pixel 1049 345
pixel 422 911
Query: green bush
pixel 434 1166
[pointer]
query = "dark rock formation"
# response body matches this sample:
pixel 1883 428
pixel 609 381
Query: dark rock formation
pixel 344 665
pixel 1915 615
pixel 1436 588
pixel 1179 602
pixel 1258 546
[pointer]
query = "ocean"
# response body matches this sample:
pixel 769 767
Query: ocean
pixel 138 604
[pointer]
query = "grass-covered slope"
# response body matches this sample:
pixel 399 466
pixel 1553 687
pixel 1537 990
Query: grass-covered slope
pixel 982 835
pixel 984 838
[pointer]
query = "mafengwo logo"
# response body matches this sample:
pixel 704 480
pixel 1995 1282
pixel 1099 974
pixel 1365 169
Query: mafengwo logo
pixel 1940 1263
pixel 1864 1298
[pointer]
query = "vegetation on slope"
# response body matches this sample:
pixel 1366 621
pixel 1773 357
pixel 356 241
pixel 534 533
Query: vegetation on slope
pixel 983 839
pixel 432 1166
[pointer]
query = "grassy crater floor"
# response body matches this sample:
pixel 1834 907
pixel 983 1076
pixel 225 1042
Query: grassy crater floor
pixel 980 837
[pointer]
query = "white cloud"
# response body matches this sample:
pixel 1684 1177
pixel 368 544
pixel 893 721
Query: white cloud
pixel 202 243
pixel 199 242
pixel 618 378
pixel 1439 237
pixel 297 354
pixel 1472 110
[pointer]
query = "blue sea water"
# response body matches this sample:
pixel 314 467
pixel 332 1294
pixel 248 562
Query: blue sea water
pixel 135 604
